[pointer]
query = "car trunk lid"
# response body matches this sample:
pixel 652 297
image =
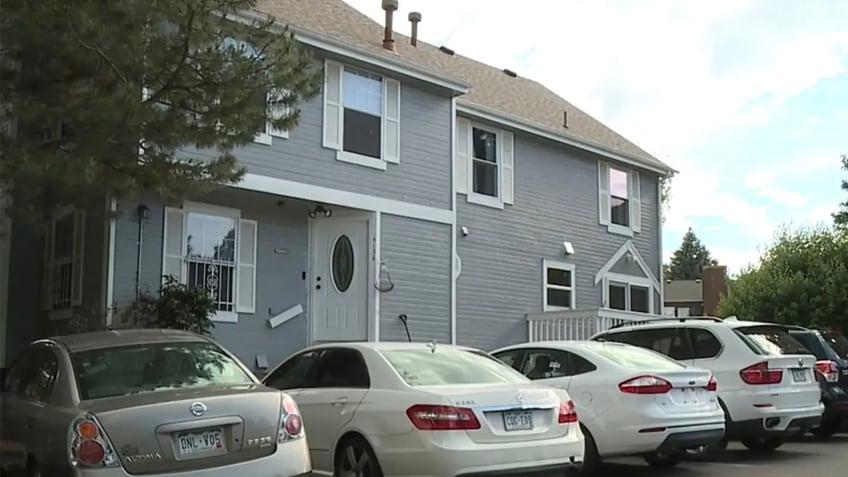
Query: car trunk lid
pixel 181 430
pixel 506 412
pixel 688 393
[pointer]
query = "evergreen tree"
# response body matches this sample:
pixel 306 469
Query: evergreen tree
pixel 689 260
pixel 74 74
pixel 841 218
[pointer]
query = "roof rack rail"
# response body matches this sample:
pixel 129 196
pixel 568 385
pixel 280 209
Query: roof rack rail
pixel 668 319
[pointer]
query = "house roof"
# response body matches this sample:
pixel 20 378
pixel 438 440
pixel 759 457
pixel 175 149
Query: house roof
pixel 683 291
pixel 491 89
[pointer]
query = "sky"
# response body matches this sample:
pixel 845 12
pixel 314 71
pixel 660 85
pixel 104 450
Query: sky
pixel 747 99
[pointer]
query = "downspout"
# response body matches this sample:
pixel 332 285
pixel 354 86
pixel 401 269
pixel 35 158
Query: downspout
pixel 143 214
pixel 110 262
pixel 453 254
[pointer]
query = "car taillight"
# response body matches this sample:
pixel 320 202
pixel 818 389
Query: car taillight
pixel 291 424
pixel 442 418
pixel 567 413
pixel 829 370
pixel 761 374
pixel 712 385
pixel 645 385
pixel 88 445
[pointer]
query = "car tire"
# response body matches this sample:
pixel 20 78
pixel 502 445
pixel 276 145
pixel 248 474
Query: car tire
pixel 355 458
pixel 827 428
pixel 763 444
pixel 591 457
pixel 662 460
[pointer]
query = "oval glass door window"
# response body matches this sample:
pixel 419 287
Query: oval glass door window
pixel 342 264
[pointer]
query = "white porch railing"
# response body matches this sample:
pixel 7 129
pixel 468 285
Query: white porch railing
pixel 578 324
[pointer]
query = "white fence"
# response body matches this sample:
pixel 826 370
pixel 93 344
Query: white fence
pixel 578 324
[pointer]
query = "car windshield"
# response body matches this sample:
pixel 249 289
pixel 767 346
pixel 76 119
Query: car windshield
pixel 153 367
pixel 425 367
pixel 839 343
pixel 773 340
pixel 634 357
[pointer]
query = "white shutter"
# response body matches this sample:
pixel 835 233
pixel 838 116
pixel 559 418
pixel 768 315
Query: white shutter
pixel 635 203
pixel 78 255
pixel 246 262
pixel 333 118
pixel 463 154
pixel 277 111
pixel 47 279
pixel 172 250
pixel 391 120
pixel 603 194
pixel 507 161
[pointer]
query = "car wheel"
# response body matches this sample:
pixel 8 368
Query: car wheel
pixel 355 458
pixel 662 460
pixel 827 428
pixel 707 451
pixel 763 444
pixel 591 458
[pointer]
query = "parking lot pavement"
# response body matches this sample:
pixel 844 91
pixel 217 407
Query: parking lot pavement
pixel 807 456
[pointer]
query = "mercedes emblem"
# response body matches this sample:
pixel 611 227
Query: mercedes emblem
pixel 197 408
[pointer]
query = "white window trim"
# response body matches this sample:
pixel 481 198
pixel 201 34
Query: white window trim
pixel 628 282
pixel 360 159
pixel 495 202
pixel 266 137
pixel 632 200
pixel 570 267
pixel 201 208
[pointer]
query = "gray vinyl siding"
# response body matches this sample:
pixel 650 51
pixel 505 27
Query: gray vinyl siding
pixel 422 177
pixel 279 274
pixel 417 255
pixel 556 199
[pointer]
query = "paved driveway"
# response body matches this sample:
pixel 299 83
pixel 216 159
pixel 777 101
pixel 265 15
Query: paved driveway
pixel 805 457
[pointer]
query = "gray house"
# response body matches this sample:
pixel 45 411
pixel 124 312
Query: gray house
pixel 421 183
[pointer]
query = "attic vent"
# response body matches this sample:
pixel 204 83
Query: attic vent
pixel 446 50
pixel 510 73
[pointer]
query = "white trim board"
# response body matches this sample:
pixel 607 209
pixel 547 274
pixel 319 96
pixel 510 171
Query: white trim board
pixel 326 195
pixel 520 124
pixel 454 258
pixel 628 246
pixel 285 316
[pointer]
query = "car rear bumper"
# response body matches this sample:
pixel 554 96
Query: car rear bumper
pixel 291 460
pixel 782 422
pixel 684 440
pixel 453 454
pixel 644 438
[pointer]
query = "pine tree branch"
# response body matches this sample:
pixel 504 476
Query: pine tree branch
pixel 103 56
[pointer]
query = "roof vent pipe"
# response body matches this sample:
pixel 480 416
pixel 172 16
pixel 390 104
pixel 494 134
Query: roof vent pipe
pixel 414 18
pixel 388 41
pixel 565 119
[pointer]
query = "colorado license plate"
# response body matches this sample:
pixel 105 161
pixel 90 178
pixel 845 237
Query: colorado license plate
pixel 210 441
pixel 518 420
pixel 799 375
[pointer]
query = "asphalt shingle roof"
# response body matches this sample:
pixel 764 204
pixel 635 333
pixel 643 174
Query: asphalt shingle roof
pixel 518 97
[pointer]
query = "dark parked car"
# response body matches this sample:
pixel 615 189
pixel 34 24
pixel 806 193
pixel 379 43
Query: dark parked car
pixel 832 373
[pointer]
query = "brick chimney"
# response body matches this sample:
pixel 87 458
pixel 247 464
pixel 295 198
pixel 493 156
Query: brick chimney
pixel 388 39
pixel 714 285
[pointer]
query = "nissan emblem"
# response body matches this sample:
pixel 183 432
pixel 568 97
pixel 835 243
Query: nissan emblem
pixel 197 408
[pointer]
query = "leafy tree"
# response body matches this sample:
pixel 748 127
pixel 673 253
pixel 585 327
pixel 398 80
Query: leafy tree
pixel 73 80
pixel 841 218
pixel 689 260
pixel 665 196
pixel 802 278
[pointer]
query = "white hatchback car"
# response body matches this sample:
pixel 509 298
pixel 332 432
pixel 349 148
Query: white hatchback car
pixel 415 409
pixel 631 401
pixel 766 396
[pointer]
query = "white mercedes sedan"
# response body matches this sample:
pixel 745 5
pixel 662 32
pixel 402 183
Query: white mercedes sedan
pixel 416 409
pixel 631 400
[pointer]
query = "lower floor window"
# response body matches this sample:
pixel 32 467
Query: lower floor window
pixel 211 257
pixel 558 285
pixel 629 297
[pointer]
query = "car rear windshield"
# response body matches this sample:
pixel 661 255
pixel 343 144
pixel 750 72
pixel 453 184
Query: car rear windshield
pixel 145 368
pixel 839 343
pixel 637 358
pixel 447 366
pixel 773 340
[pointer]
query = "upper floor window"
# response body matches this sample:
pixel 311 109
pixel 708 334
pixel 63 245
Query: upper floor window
pixel 558 285
pixel 63 262
pixel 619 199
pixel 361 116
pixel 484 164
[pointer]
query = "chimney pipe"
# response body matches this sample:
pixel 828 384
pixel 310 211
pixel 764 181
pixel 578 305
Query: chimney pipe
pixel 414 18
pixel 388 41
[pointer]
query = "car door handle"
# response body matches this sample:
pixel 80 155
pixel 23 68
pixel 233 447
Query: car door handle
pixel 339 401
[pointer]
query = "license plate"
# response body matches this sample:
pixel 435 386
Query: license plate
pixel 799 375
pixel 210 441
pixel 518 420
pixel 690 396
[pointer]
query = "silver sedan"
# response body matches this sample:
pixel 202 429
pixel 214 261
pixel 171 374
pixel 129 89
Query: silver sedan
pixel 153 402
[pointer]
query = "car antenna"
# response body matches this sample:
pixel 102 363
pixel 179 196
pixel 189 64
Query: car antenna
pixel 402 317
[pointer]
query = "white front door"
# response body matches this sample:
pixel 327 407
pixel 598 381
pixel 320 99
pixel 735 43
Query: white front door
pixel 339 277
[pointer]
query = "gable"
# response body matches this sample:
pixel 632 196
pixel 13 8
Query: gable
pixel 625 266
pixel 628 259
